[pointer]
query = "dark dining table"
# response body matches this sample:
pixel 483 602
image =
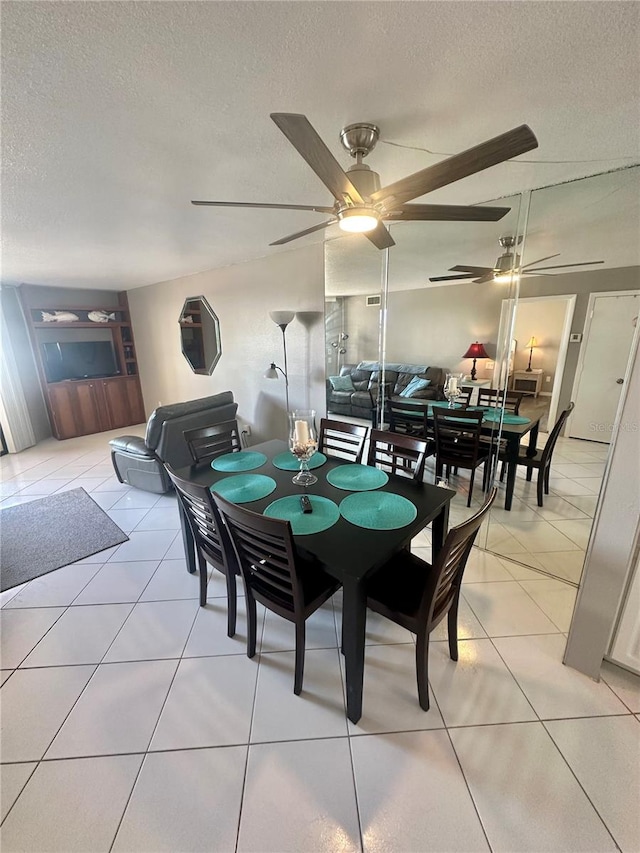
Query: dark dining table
pixel 511 434
pixel 347 552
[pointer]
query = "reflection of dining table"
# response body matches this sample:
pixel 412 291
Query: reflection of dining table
pixel 347 552
pixel 511 433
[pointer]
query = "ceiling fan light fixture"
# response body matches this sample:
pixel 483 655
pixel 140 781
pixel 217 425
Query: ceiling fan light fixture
pixel 358 220
pixel 506 277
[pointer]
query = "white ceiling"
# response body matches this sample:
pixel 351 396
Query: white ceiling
pixel 115 115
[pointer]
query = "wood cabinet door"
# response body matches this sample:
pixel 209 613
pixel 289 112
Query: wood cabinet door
pixel 77 408
pixel 123 402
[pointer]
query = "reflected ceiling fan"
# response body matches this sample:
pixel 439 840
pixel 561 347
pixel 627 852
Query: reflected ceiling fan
pixel 507 265
pixel 361 204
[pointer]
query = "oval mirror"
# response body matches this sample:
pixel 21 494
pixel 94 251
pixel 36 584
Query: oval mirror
pixel 200 335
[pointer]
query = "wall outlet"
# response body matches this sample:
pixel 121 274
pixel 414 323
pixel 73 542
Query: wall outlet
pixel 547 379
pixel 246 429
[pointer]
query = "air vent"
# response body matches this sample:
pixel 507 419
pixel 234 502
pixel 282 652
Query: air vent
pixel 374 301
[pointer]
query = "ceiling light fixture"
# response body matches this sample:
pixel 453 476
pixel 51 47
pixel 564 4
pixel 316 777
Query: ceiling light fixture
pixel 358 220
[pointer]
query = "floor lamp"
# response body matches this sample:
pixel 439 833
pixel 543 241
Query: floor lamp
pixel 281 319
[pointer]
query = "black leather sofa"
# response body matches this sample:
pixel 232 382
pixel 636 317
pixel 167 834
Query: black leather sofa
pixel 140 461
pixel 366 377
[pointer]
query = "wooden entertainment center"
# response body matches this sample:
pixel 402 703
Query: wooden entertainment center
pixel 84 406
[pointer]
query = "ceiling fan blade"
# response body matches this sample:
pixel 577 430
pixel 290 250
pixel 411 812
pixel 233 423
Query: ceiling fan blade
pixel 306 231
pixel 380 237
pixel 489 153
pixel 474 270
pixel 307 142
pixel 460 277
pixel 540 260
pixel 449 213
pixel 563 266
pixel 317 208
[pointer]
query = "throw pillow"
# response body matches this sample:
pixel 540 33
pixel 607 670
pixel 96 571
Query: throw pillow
pixel 341 383
pixel 414 386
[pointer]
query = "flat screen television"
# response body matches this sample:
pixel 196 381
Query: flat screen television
pixel 79 360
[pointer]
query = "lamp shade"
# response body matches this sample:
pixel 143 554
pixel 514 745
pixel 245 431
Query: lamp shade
pixel 271 372
pixel 476 350
pixel 532 342
pixel 282 318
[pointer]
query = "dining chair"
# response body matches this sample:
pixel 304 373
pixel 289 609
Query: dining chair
pixel 508 400
pixel 406 417
pixel 457 435
pixel 342 440
pixel 274 574
pixel 464 398
pixel 397 453
pixel 542 458
pixel 417 595
pixel 211 540
pixel 206 443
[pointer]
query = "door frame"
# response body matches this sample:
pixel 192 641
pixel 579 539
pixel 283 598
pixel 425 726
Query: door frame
pixel 586 331
pixel 563 346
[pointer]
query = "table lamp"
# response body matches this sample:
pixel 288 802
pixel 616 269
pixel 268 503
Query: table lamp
pixel 531 343
pixel 475 351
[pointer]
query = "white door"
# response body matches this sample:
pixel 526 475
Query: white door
pixel 609 331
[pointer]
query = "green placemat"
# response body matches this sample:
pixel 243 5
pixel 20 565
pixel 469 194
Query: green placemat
pixel 287 461
pixel 378 510
pixel 243 460
pixel 325 513
pixel 357 478
pixel 244 488
pixel 507 418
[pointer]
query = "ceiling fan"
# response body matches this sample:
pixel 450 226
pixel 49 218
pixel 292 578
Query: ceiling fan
pixel 361 205
pixel 507 265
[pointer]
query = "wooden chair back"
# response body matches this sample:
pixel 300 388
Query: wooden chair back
pixel 342 440
pixel 408 418
pixel 444 585
pixel 207 443
pixel 508 400
pixel 547 451
pixel 457 434
pixel 464 397
pixel 397 453
pixel 265 553
pixel 204 521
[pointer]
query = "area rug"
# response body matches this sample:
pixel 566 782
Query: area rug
pixel 46 534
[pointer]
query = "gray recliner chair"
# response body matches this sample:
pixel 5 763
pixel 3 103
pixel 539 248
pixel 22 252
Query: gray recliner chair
pixel 140 461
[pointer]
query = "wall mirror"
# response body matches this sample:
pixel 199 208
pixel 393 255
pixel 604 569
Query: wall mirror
pixel 385 310
pixel 200 335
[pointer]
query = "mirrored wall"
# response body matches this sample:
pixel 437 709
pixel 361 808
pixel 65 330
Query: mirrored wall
pixel 547 337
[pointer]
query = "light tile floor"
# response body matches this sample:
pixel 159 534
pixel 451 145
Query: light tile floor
pixel 131 722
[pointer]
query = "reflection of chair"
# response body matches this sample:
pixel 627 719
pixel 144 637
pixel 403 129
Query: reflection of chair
pixel 465 396
pixel 458 442
pixel 212 543
pixel 140 461
pixel 417 596
pixel 275 575
pixel 509 401
pixel 345 441
pixel 209 442
pixel 399 454
pixel 408 418
pixel 542 458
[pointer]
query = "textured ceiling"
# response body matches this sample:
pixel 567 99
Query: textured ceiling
pixel 115 115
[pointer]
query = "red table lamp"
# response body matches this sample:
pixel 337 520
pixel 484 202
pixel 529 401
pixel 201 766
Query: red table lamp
pixel 475 351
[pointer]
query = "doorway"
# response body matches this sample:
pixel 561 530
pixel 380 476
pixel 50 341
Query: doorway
pixel 608 335
pixel 547 320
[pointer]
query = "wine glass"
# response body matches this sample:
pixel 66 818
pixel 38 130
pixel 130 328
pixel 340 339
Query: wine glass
pixel 452 389
pixel 303 443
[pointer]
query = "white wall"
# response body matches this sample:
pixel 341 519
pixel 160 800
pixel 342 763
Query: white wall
pixel 242 296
